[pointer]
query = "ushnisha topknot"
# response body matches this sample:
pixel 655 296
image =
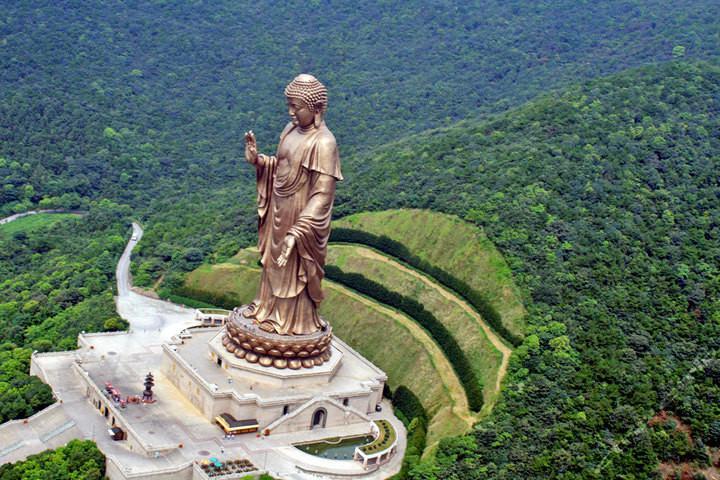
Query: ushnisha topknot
pixel 308 89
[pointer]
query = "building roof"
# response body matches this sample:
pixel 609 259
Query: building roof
pixel 233 423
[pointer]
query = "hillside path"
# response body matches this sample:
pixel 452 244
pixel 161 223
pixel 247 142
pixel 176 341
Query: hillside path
pixel 450 296
pixel 444 368
pixel 152 321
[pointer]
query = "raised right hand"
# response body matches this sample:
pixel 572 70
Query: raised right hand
pixel 251 152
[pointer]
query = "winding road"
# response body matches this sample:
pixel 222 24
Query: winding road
pixel 152 321
pixel 122 271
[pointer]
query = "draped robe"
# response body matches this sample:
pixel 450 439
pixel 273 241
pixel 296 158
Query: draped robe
pixel 295 193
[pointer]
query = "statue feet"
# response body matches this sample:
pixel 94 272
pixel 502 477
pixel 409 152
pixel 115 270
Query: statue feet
pixel 258 342
pixel 249 311
pixel 267 327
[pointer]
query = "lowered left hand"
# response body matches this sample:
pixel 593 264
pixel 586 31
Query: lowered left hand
pixel 288 245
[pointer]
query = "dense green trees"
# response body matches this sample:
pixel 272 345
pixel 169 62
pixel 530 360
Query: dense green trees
pixel 604 201
pixel 410 411
pixel 55 281
pixel 131 100
pixel 21 395
pixel 604 197
pixel 159 103
pixel 78 460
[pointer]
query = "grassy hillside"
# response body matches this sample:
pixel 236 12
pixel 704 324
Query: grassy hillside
pixel 455 246
pixel 33 222
pixel 483 356
pixel 388 339
pixel 236 280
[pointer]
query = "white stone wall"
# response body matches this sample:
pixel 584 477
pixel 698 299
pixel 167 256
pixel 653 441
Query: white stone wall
pixel 114 472
pixel 302 420
pixel 192 388
pixel 266 411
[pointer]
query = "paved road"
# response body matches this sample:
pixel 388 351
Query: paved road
pixel 122 271
pixel 151 321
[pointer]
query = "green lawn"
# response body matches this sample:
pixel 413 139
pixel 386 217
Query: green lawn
pixel 34 222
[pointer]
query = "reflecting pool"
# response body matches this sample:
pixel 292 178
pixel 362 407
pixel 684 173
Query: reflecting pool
pixel 335 448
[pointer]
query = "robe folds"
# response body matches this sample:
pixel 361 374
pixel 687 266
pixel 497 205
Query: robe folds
pixel 295 193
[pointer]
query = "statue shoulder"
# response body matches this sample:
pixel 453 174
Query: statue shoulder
pixel 288 128
pixel 326 139
pixel 326 159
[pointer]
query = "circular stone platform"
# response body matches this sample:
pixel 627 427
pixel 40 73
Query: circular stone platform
pixel 246 340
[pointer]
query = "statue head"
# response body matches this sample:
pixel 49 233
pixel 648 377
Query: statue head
pixel 306 91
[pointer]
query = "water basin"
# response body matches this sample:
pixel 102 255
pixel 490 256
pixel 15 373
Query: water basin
pixel 335 448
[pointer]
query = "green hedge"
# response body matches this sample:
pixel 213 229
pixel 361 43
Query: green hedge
pixel 409 409
pixel 441 335
pixel 200 298
pixel 397 249
pixel 416 434
pixel 407 404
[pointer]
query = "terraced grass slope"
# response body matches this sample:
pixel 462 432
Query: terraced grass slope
pixel 389 339
pixel 604 201
pixel 466 328
pixel 456 247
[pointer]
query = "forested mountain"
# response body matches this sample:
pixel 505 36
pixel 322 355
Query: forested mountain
pixel 130 99
pixel 603 195
pixel 56 280
pixel 605 201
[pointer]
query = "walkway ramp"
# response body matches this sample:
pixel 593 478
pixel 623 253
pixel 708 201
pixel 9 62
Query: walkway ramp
pixel 48 429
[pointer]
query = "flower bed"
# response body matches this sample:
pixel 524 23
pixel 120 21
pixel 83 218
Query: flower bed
pixel 384 440
pixel 229 467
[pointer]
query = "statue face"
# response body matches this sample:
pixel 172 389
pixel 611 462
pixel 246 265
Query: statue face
pixel 300 114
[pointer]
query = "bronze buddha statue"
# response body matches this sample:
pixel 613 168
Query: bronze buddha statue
pixel 295 193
